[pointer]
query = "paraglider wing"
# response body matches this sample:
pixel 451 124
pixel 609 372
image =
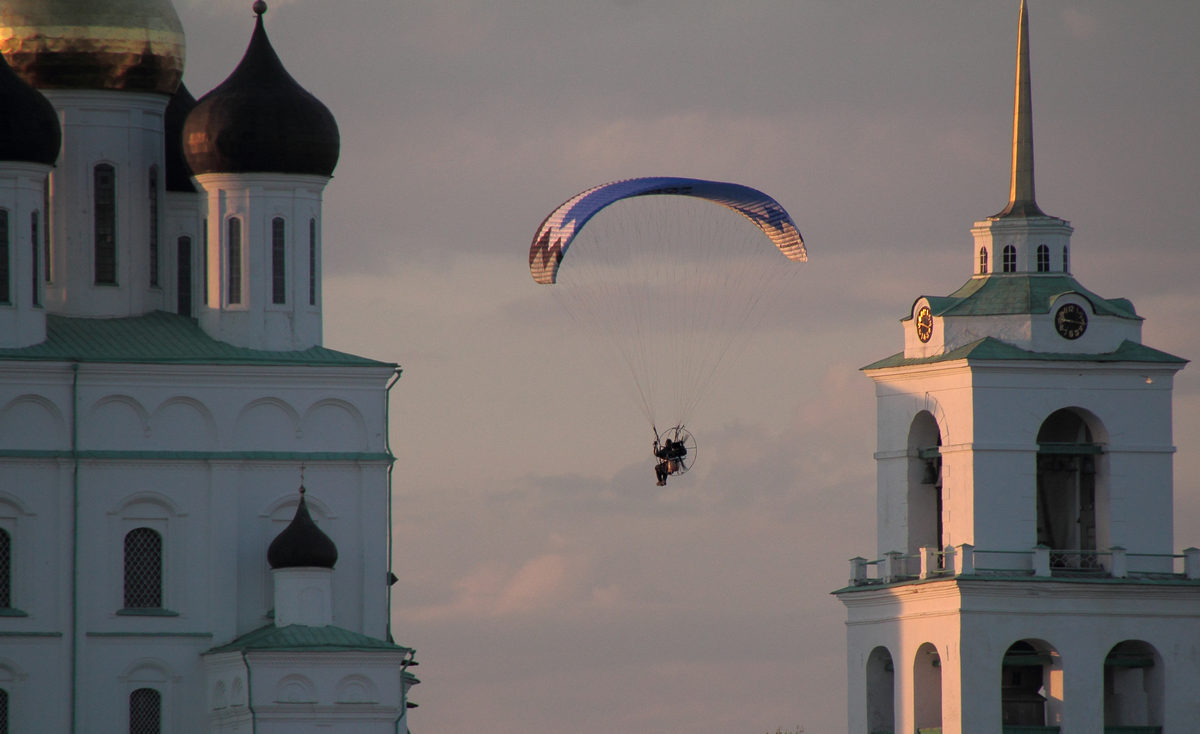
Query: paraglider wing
pixel 558 230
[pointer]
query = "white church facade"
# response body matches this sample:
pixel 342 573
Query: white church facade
pixel 194 491
pixel 1027 578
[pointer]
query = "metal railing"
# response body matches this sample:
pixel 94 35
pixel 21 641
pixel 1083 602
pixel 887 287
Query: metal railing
pixel 1039 561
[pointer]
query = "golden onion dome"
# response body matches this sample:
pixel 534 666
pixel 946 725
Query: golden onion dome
pixel 131 45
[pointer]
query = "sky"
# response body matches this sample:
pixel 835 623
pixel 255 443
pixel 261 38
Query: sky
pixel 546 583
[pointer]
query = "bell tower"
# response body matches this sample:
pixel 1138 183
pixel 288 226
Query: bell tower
pixel 1026 577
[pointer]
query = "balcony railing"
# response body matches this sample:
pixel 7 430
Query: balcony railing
pixel 1037 562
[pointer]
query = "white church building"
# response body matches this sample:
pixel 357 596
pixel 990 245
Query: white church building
pixel 1026 578
pixel 194 492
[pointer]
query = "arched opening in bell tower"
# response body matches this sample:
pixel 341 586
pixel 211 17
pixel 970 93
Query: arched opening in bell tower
pixel 1070 489
pixel 925 502
pixel 881 692
pixel 1031 685
pixel 927 689
pixel 1133 687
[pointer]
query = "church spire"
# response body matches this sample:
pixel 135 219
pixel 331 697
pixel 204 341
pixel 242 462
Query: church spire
pixel 1021 201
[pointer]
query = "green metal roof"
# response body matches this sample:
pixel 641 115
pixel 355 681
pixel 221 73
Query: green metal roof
pixel 1014 293
pixel 160 337
pixel 302 638
pixel 990 349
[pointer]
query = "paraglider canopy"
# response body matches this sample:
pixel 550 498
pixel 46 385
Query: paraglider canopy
pixel 558 230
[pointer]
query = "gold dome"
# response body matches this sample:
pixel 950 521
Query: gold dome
pixel 133 45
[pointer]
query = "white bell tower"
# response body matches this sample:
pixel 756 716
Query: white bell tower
pixel 1027 578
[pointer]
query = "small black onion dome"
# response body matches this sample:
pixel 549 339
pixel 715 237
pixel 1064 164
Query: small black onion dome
pixel 179 174
pixel 260 120
pixel 29 129
pixel 302 544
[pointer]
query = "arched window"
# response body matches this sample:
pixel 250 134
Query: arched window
pixel 104 205
pixel 1010 259
pixel 235 261
pixel 927 688
pixel 881 691
pixel 35 246
pixel 312 262
pixel 3 711
pixel 1070 463
pixel 183 276
pixel 1043 259
pixel 5 279
pixel 1133 688
pixel 204 258
pixel 145 711
pixel 983 261
pixel 46 229
pixel 143 569
pixel 1066 259
pixel 153 179
pixel 278 262
pixel 5 571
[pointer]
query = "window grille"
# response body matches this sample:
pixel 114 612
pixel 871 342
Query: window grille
pixel 104 204
pixel 983 264
pixel 5 286
pixel 235 261
pixel 278 262
pixel 145 711
pixel 35 245
pixel 183 279
pixel 143 569
pixel 153 226
pixel 1010 259
pixel 1043 259
pixel 5 570
pixel 312 262
pixel 1066 261
pixel 3 711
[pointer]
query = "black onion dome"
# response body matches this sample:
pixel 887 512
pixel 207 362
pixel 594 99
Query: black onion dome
pixel 179 174
pixel 29 129
pixel 302 544
pixel 260 120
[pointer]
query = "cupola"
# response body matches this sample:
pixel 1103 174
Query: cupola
pixel 179 174
pixel 132 45
pixel 260 120
pixel 29 129
pixel 302 544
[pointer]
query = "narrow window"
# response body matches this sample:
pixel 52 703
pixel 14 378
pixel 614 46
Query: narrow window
pixel 1066 260
pixel 5 285
pixel 183 277
pixel 153 226
pixel 278 262
pixel 145 711
pixel 104 193
pixel 204 257
pixel 35 245
pixel 1010 259
pixel 143 569
pixel 3 711
pixel 312 262
pixel 46 229
pixel 983 261
pixel 235 261
pixel 5 569
pixel 1043 259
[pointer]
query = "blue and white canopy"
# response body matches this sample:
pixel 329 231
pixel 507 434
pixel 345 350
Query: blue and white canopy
pixel 558 230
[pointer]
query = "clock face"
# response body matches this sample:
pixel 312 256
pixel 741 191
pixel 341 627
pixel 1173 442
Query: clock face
pixel 924 324
pixel 1071 321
